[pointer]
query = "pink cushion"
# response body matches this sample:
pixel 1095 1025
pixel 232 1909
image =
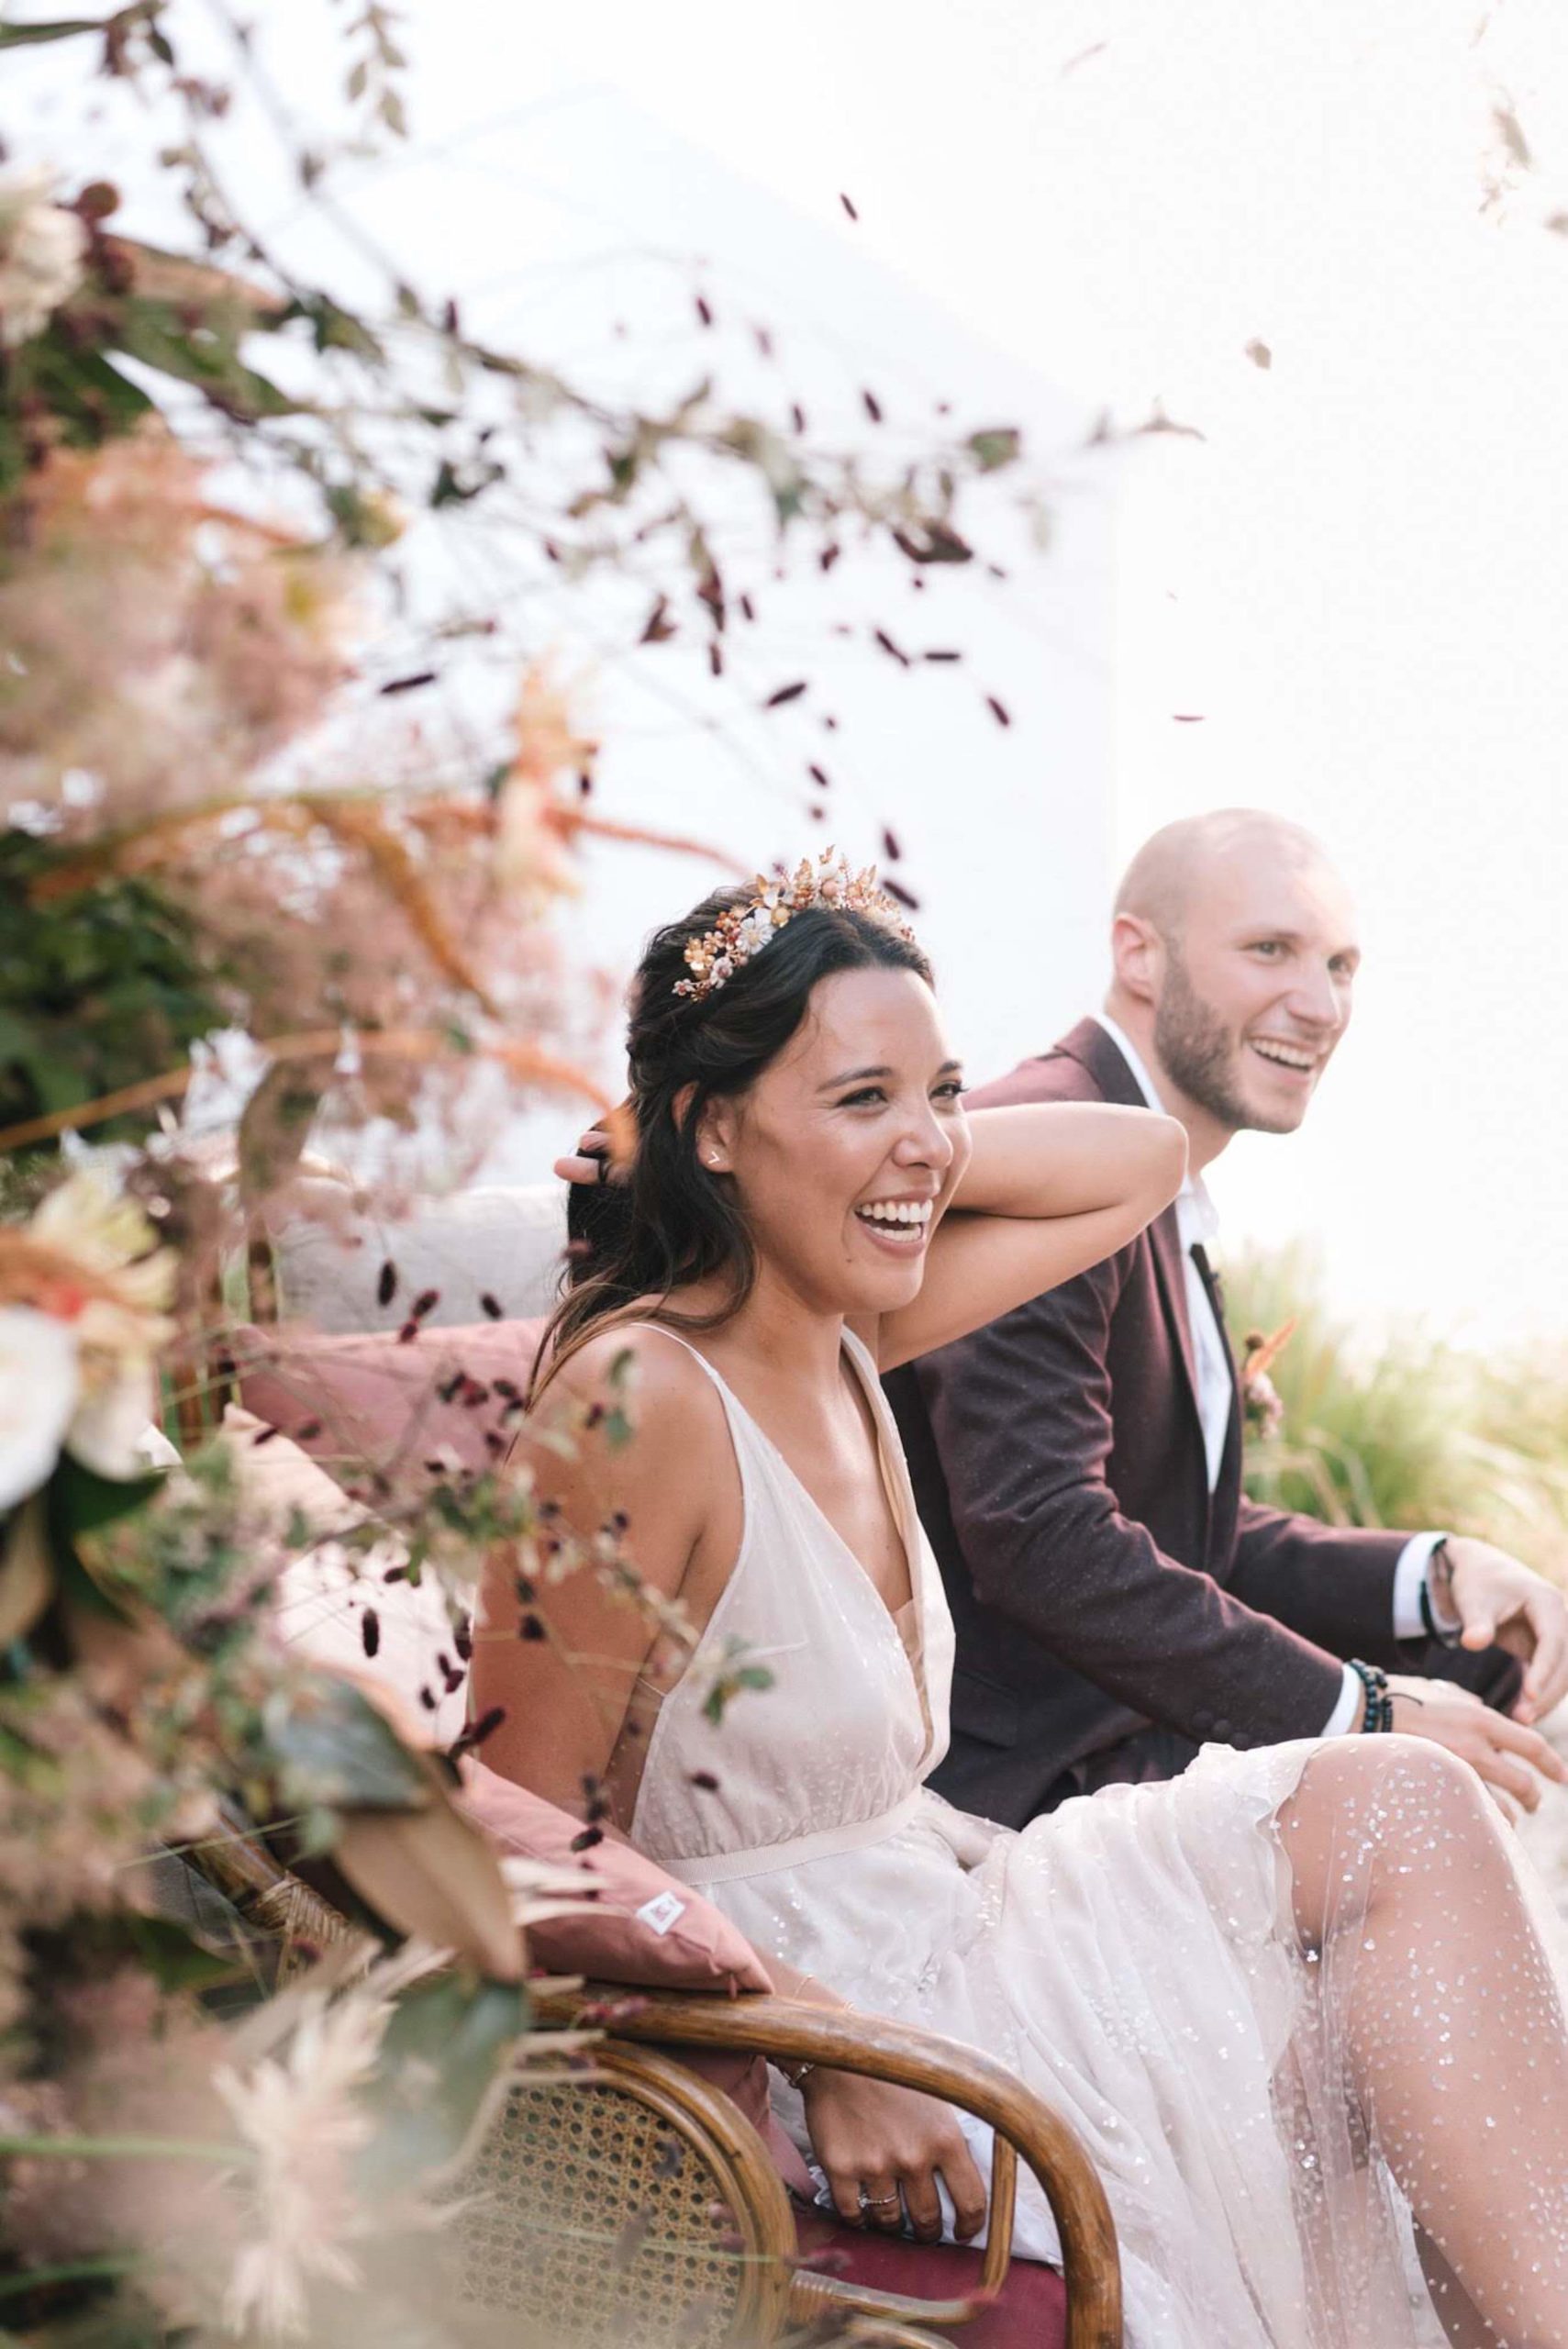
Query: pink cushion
pixel 644 1927
pixel 1030 2312
pixel 370 1399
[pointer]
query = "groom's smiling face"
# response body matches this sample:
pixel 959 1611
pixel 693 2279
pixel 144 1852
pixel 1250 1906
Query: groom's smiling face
pixel 1256 988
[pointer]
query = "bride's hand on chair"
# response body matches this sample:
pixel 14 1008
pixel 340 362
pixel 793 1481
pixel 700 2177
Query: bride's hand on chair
pixel 882 2148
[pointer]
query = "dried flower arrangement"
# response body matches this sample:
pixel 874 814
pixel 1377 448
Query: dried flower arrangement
pixel 221 811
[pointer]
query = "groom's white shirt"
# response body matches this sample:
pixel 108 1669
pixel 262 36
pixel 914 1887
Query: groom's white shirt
pixel 1197 1220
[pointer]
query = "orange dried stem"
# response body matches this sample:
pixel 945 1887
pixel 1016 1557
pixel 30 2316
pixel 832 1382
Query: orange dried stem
pixel 578 819
pixel 526 1061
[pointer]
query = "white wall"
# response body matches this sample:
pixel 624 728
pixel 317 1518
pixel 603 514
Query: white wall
pixel 1004 832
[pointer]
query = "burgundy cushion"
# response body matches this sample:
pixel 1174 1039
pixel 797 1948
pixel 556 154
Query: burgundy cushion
pixel 373 1398
pixel 1030 2312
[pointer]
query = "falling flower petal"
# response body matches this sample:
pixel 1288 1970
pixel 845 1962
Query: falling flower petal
pixel 40 1384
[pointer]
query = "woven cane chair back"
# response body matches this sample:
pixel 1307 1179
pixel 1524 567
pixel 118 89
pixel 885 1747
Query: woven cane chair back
pixel 627 2204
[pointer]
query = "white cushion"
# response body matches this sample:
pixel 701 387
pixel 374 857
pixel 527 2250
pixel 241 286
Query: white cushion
pixel 321 1597
pixel 505 1243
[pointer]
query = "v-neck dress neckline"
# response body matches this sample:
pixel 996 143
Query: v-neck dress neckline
pixel 800 1603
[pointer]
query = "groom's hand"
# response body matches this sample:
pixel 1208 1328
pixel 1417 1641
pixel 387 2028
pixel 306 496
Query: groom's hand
pixel 603 1153
pixel 1502 1604
pixel 590 1161
pixel 1511 1758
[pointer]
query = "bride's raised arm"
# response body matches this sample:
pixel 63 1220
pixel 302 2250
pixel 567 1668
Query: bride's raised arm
pixel 1051 1188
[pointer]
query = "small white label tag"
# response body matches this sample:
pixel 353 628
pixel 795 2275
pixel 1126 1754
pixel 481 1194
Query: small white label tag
pixel 665 1908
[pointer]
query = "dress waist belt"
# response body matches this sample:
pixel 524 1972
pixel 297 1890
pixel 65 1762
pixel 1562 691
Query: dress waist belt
pixel 766 1859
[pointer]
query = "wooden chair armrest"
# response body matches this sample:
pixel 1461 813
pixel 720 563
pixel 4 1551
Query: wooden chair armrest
pixel 757 2023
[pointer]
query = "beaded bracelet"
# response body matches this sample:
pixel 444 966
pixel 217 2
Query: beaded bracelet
pixel 1378 1716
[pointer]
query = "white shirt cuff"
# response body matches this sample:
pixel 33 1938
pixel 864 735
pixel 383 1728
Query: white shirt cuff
pixel 1348 1713
pixel 1409 1581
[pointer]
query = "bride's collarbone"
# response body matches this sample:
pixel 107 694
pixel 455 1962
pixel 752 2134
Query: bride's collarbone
pixel 834 1455
pixel 829 1444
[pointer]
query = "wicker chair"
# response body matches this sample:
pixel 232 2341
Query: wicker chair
pixel 627 2200
pixel 632 2203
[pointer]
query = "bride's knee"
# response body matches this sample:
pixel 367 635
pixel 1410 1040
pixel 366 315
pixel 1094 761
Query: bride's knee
pixel 1396 1789
pixel 1363 1800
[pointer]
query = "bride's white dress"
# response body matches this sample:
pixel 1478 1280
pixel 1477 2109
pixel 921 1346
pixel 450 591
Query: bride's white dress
pixel 1133 1957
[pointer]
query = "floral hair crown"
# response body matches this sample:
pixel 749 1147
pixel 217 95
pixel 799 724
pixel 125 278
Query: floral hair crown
pixel 744 930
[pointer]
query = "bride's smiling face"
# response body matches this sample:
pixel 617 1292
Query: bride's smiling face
pixel 846 1149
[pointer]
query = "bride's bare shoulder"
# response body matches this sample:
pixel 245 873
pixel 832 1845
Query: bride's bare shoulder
pixel 654 1382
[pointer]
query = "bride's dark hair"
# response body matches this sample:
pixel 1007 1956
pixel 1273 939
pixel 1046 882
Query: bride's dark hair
pixel 671 1221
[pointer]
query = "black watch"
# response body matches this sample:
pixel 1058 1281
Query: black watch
pixel 1445 1636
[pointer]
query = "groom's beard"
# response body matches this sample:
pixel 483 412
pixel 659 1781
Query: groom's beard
pixel 1198 1052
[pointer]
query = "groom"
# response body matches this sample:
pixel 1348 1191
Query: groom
pixel 1078 1463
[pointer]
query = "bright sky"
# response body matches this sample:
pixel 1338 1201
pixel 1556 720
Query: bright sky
pixel 1357 579
pixel 1354 581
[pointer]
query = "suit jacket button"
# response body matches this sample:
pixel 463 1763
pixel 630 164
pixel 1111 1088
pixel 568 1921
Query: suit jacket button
pixel 1222 1730
pixel 1204 1722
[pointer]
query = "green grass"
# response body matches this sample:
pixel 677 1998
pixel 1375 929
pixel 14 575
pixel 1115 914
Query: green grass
pixel 1410 1432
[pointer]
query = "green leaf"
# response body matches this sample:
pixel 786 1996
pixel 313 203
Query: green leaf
pixel 275 1126
pixel 93 400
pixel 155 333
pixel 335 329
pixel 81 1501
pixel 731 1677
pixel 27 1571
pixel 175 1959
pixel 59 28
pixel 339 1750
pixel 21 1045
pixel 443 2061
pixel 1001 445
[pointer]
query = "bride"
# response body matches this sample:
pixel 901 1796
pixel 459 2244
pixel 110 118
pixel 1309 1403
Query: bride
pixel 1300 2003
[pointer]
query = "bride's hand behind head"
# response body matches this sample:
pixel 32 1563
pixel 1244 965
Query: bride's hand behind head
pixel 794 1116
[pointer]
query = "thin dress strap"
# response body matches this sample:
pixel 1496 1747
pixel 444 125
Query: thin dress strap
pixel 628 1756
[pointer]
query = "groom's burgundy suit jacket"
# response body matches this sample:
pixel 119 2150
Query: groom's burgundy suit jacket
pixel 1096 1586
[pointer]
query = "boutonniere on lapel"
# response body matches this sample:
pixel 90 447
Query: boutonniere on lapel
pixel 1261 1410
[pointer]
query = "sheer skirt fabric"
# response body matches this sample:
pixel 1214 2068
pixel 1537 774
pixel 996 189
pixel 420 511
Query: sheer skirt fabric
pixel 1280 1998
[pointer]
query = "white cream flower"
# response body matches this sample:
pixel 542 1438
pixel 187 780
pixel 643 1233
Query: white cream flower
pixel 85 1289
pixel 302 2116
pixel 40 1383
pixel 41 249
pixel 109 1426
pixel 86 1218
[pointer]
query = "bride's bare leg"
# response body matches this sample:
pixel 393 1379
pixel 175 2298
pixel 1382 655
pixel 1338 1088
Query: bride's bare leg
pixel 1465 2327
pixel 1457 2039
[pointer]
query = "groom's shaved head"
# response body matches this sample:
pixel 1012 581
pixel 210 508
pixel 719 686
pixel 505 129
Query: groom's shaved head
pixel 1181 861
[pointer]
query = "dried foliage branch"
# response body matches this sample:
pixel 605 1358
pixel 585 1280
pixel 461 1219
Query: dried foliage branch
pixel 234 835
